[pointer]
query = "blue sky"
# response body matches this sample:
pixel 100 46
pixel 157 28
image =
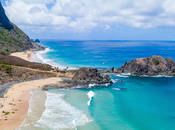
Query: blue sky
pixel 94 20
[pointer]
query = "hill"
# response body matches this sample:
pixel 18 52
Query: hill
pixel 12 39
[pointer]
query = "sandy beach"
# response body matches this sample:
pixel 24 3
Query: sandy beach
pixel 23 55
pixel 16 102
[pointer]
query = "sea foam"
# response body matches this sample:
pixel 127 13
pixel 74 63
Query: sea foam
pixel 36 108
pixel 121 75
pixel 90 95
pixel 60 115
pixel 39 57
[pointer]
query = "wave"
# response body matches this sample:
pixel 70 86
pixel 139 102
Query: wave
pixel 90 95
pixel 73 122
pixel 39 57
pixel 118 89
pixel 92 85
pixel 157 76
pixel 114 80
pixel 121 75
pixel 35 109
pixel 59 114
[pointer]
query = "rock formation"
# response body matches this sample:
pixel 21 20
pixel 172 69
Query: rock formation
pixel 154 65
pixel 4 21
pixel 37 40
pixel 90 76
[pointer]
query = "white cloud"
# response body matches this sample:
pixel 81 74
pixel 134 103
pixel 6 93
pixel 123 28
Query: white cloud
pixel 84 15
pixel 107 27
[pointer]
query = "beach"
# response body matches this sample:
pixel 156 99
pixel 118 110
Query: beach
pixel 23 55
pixel 16 102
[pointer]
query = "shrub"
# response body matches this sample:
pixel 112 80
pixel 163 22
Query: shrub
pixel 8 69
pixel 6 49
pixel 7 113
pixel 156 62
pixel 2 53
pixel 2 65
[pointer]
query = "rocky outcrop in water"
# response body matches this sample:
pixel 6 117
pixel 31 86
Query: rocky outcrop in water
pixel 154 65
pixel 90 76
pixel 37 41
pixel 4 21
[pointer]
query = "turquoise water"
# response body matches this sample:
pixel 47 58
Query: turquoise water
pixel 95 53
pixel 143 103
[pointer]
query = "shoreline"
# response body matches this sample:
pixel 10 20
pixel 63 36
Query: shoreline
pixel 16 101
pixel 36 56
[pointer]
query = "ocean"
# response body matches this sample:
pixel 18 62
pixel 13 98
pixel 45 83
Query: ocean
pixel 144 103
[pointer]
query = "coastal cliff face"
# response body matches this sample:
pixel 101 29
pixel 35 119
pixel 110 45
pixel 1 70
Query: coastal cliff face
pixel 12 39
pixel 4 21
pixel 155 65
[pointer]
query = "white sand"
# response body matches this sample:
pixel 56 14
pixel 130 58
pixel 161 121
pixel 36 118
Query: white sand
pixel 23 55
pixel 17 100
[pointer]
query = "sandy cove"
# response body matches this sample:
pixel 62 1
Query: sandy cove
pixel 23 55
pixel 16 102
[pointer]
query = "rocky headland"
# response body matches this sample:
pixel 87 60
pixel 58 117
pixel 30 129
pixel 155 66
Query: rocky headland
pixel 151 66
pixel 86 76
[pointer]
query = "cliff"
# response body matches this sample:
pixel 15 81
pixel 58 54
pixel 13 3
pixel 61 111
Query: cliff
pixel 12 39
pixel 4 21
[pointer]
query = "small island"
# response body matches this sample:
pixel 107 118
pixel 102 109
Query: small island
pixel 37 41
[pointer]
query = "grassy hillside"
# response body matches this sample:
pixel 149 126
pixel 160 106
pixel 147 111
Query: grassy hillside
pixel 14 40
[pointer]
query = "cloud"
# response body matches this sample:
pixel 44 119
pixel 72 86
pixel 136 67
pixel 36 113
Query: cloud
pixel 84 15
pixel 107 27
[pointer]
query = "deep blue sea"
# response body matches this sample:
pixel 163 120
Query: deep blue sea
pixel 144 103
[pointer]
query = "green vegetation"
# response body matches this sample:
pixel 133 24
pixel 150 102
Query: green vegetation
pixel 14 40
pixel 7 68
pixel 2 53
pixel 156 62
pixel 7 113
pixel 6 49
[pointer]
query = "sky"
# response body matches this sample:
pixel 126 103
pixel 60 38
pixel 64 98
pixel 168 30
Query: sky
pixel 94 19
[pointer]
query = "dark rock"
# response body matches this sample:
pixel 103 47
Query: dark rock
pixel 108 71
pixel 112 69
pixel 90 76
pixel 4 21
pixel 120 80
pixel 155 65
pixel 37 40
